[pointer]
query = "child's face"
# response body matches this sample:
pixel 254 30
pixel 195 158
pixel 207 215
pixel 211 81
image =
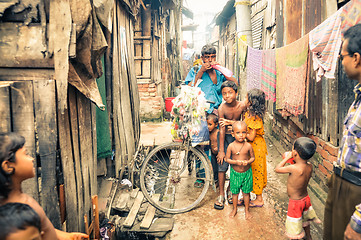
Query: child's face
pixel 209 58
pixel 229 95
pixel 240 133
pixel 29 233
pixel 211 125
pixel 24 164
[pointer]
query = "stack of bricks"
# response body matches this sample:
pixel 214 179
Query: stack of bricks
pixel 147 89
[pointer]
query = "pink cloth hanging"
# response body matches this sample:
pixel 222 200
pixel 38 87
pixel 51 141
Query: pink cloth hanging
pixel 291 65
pixel 325 42
pixel 350 15
pixel 268 74
pixel 254 68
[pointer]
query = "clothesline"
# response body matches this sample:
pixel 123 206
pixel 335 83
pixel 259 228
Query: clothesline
pixel 282 72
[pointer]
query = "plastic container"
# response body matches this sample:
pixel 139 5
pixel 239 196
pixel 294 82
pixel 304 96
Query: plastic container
pixel 168 103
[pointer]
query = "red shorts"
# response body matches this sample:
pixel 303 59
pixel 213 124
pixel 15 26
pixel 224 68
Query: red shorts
pixel 299 215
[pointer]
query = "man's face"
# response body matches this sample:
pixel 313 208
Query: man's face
pixel 208 58
pixel 348 62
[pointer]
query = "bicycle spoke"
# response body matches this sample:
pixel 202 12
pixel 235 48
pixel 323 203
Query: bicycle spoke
pixel 165 167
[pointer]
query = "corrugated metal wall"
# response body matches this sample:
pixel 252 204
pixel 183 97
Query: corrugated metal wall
pixel 257 30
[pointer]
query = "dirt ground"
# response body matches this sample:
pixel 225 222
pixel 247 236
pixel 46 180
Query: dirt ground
pixel 205 222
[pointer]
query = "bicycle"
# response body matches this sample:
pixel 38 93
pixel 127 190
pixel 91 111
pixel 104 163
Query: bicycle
pixel 171 170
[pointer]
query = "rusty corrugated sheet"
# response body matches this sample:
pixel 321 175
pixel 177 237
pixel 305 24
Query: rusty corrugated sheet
pixel 313 12
pixel 279 23
pixel 293 12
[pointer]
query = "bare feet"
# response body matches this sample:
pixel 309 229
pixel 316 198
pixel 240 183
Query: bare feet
pixel 233 213
pixel 256 203
pixel 248 215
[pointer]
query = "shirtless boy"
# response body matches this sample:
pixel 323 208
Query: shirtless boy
pixel 300 212
pixel 212 121
pixel 229 112
pixel 240 155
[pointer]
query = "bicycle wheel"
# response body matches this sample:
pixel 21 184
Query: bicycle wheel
pixel 171 171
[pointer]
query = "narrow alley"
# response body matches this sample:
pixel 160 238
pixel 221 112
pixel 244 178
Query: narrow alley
pixel 205 222
pixel 91 89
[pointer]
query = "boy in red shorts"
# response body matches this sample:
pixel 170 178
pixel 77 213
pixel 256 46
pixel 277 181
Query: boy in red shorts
pixel 300 212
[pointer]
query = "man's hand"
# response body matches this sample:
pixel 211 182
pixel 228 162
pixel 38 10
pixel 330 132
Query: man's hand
pixel 351 234
pixel 205 67
pixel 220 157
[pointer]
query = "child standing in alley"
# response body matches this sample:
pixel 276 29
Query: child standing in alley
pixel 212 121
pixel 255 102
pixel 19 221
pixel 229 111
pixel 16 165
pixel 300 212
pixel 240 155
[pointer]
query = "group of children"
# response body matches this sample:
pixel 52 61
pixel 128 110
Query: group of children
pixel 236 139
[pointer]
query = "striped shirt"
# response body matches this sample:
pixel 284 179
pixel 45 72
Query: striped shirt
pixel 349 155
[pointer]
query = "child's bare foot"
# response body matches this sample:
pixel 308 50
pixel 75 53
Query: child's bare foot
pixel 248 216
pixel 233 213
pixel 256 203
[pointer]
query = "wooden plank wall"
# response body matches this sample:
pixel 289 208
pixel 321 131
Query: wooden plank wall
pixel 126 125
pixel 29 108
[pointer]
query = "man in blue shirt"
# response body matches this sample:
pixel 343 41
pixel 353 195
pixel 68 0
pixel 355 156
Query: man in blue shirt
pixel 343 205
pixel 207 78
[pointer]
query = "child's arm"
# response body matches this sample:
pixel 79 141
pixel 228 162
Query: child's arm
pixel 70 236
pixel 47 227
pixel 222 134
pixel 281 168
pixel 251 155
pixel 225 122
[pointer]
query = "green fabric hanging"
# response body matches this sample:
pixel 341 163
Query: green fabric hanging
pixel 104 143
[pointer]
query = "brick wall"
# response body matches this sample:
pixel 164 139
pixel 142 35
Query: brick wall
pixel 151 105
pixel 286 132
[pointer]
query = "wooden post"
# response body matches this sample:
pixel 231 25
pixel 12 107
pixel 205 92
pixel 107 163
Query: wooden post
pixel 85 143
pixel 96 216
pixel 45 110
pixel 22 102
pixel 71 199
pixel 60 23
pixel 74 129
pixel 5 116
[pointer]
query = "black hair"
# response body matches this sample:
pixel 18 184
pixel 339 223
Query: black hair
pixel 230 84
pixel 15 217
pixel 353 34
pixel 305 147
pixel 213 117
pixel 257 99
pixel 208 49
pixel 9 144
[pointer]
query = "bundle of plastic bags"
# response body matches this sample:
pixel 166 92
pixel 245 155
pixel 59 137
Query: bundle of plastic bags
pixel 189 111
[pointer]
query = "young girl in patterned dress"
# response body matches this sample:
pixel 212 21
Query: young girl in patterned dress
pixel 255 102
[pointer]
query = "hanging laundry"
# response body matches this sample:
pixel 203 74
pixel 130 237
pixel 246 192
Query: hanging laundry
pixel 242 51
pixel 254 68
pixel 268 74
pixel 291 65
pixel 350 15
pixel 325 43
